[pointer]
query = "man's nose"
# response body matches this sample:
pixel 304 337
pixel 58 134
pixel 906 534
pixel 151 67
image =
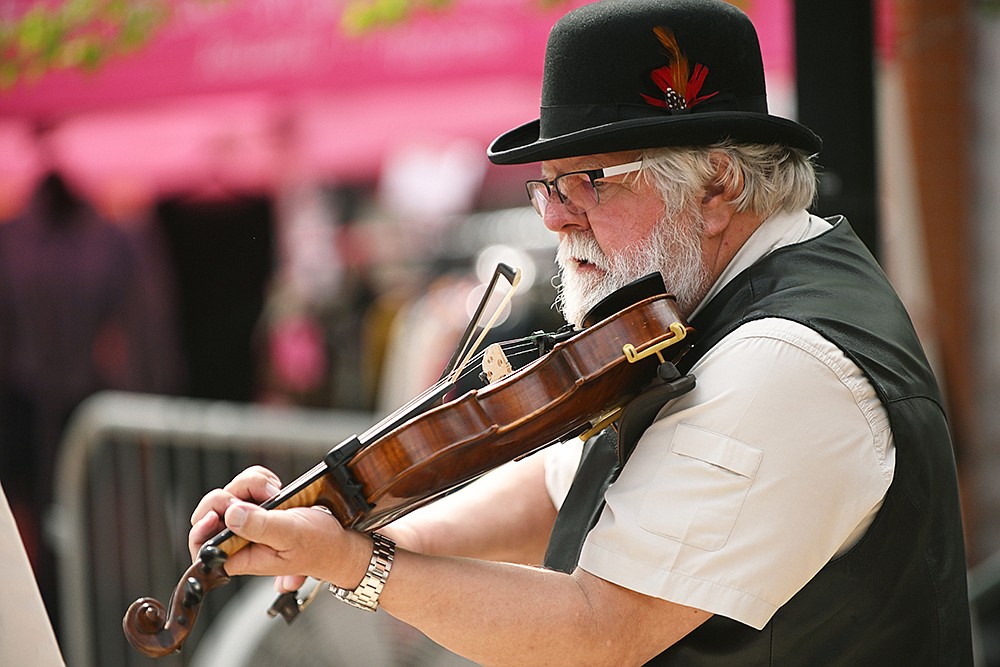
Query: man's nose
pixel 558 217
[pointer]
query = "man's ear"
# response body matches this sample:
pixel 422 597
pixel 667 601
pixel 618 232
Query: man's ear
pixel 714 189
pixel 717 207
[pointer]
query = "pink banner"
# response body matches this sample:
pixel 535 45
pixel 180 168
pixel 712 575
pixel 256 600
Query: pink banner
pixel 237 92
pixel 288 47
pixel 241 93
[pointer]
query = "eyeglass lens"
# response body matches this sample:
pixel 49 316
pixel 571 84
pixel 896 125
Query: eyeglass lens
pixel 575 190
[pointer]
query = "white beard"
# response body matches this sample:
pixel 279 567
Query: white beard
pixel 674 250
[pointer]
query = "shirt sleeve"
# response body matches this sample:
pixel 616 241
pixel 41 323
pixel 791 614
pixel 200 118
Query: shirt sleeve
pixel 561 462
pixel 744 488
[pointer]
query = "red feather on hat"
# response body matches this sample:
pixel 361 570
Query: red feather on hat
pixel 680 86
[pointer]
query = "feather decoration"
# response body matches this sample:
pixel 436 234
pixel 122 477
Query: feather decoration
pixel 679 84
pixel 677 61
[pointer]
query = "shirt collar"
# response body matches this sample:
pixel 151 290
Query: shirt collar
pixel 780 230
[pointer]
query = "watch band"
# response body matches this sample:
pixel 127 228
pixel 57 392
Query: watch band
pixel 365 596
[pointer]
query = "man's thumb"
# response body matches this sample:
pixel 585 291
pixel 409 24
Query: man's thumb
pixel 240 520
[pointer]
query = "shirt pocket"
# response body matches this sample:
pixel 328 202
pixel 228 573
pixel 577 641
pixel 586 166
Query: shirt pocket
pixel 700 488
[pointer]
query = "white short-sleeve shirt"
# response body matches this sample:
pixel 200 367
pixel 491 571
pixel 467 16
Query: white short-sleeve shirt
pixel 745 487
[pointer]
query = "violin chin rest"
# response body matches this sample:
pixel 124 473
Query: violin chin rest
pixel 623 297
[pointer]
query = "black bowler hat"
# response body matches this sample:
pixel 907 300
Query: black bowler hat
pixel 632 74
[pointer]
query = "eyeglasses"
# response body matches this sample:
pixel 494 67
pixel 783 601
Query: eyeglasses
pixel 579 191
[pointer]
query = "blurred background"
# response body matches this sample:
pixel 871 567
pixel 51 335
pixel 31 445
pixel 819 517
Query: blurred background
pixel 239 231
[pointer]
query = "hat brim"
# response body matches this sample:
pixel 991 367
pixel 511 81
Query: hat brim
pixel 522 144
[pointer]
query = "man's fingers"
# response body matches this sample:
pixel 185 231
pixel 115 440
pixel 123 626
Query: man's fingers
pixel 215 501
pixel 288 582
pixel 283 542
pixel 256 483
pixel 258 525
pixel 208 526
pixel 279 529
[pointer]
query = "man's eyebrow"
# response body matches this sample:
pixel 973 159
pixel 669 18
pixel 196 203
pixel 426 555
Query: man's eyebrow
pixel 586 165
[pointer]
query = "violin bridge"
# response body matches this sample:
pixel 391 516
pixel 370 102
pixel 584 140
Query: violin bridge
pixel 496 366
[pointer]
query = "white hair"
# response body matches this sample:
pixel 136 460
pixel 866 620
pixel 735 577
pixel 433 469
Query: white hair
pixel 768 178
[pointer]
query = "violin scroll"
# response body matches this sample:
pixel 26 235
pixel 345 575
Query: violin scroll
pixel 154 631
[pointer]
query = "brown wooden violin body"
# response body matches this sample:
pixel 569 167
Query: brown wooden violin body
pixel 557 397
pixel 366 485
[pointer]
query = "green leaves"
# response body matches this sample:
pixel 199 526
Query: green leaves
pixel 83 34
pixel 362 16
pixel 74 34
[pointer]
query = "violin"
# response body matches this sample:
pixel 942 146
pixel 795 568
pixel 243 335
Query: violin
pixel 574 386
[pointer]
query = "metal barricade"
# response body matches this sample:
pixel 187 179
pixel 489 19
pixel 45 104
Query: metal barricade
pixel 131 469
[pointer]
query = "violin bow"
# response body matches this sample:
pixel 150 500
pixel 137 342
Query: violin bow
pixel 289 605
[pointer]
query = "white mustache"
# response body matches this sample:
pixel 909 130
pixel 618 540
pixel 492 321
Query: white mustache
pixel 581 246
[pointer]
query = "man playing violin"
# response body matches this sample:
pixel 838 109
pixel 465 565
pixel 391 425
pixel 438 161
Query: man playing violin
pixel 798 506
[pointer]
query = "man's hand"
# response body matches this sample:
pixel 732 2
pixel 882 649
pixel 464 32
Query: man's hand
pixel 255 484
pixel 289 544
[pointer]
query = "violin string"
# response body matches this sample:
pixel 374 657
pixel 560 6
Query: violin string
pixel 404 412
pixel 516 349
pixel 513 350
pixel 462 370
pixel 465 343
pixel 515 281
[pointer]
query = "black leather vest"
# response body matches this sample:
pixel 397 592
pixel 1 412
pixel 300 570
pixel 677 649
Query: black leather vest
pixel 899 597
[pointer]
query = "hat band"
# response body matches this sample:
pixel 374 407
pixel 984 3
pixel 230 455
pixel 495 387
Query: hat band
pixel 559 120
